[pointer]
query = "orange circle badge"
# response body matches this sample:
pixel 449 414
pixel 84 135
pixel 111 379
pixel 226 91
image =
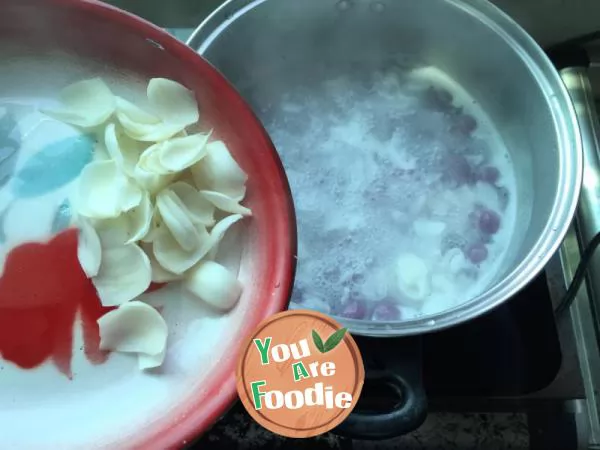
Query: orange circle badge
pixel 300 374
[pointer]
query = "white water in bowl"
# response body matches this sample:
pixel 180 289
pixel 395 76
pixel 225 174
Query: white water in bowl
pixel 114 401
pixel 377 167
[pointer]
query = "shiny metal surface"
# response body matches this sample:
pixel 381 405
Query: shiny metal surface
pixel 586 344
pixel 588 214
pixel 548 21
pixel 472 41
pixel 586 309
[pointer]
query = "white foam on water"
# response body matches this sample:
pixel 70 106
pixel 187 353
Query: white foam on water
pixel 365 166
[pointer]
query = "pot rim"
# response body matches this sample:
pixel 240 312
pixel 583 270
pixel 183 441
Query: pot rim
pixel 569 178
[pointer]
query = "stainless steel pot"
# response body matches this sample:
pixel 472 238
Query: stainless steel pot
pixel 266 43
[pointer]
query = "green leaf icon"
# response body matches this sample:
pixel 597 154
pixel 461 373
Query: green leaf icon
pixel 318 341
pixel 334 340
pixel 331 343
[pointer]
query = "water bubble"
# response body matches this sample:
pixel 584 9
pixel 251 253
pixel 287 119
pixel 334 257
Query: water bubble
pixel 343 5
pixel 377 7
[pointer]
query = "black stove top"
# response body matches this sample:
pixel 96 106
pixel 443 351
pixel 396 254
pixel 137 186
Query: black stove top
pixel 511 351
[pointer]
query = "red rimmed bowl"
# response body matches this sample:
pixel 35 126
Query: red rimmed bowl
pixel 59 390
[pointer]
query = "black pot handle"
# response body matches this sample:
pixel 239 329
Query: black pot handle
pixel 393 368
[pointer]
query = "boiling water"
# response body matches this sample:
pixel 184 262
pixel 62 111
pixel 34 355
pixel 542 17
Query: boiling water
pixel 385 167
